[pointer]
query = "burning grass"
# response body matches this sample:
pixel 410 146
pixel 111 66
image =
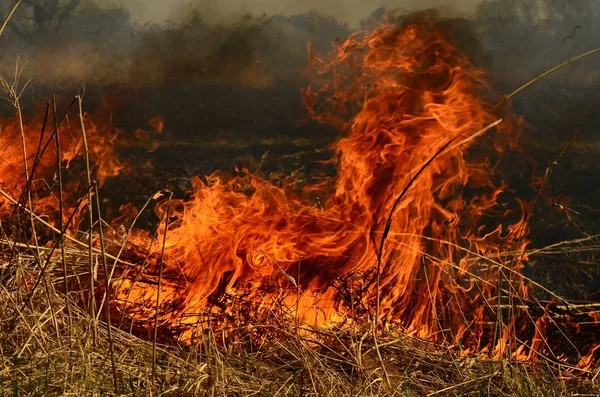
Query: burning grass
pixel 403 274
pixel 46 351
pixel 53 343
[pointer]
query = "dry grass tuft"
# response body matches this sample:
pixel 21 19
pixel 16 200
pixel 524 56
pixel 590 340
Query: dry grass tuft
pixel 286 359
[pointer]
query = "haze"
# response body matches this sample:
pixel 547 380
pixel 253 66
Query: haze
pixel 349 11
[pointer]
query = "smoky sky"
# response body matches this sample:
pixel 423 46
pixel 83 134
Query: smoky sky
pixel 262 43
pixel 345 11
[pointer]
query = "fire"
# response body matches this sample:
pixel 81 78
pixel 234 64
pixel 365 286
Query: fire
pixel 400 95
pixel 411 232
pixel 29 152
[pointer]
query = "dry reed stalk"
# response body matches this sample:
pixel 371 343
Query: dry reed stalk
pixel 92 303
pixel 14 97
pixel 106 292
pixel 160 274
pixel 61 214
pixel 545 74
pixel 10 14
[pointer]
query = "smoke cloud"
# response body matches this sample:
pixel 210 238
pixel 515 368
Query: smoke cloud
pixel 260 43
pixel 345 11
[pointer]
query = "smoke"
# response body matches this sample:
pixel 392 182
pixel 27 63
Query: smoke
pixel 67 43
pixel 526 38
pixel 183 47
pixel 262 43
pixel 348 12
pixel 80 42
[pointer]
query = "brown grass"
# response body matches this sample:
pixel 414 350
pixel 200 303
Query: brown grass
pixel 35 360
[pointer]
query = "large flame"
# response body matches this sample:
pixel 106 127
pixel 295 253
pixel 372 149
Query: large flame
pixel 401 95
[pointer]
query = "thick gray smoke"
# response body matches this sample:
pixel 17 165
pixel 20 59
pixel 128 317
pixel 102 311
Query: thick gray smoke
pixel 260 43
pixel 349 12
pixel 72 42
pixel 527 37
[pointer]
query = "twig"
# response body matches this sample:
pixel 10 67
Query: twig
pixel 10 14
pixel 541 76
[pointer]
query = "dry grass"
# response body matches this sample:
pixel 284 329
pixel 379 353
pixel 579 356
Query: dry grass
pixel 38 360
pixel 46 349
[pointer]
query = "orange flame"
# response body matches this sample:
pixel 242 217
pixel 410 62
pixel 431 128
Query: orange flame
pixel 35 145
pixel 400 94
